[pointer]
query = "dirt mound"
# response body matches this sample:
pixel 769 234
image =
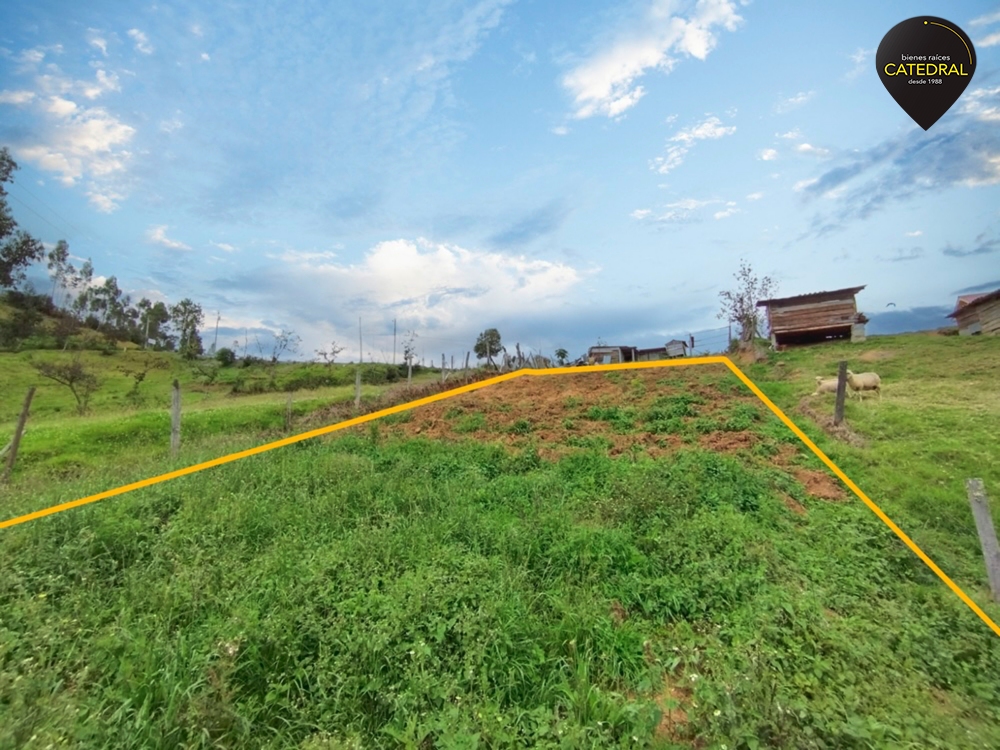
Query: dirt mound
pixel 819 484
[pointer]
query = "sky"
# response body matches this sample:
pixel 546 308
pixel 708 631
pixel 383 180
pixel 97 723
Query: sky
pixel 562 172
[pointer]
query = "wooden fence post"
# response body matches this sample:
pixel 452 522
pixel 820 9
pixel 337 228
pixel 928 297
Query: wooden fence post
pixel 467 364
pixel 175 419
pixel 15 443
pixel 987 534
pixel 442 368
pixel 838 412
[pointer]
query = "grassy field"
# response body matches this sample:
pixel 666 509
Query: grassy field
pixel 625 559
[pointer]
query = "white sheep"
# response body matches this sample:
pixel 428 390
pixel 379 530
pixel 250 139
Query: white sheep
pixel 865 381
pixel 825 385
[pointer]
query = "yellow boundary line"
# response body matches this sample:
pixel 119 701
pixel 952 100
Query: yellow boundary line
pixel 510 376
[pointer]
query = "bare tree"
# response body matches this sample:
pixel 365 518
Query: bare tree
pixel 740 304
pixel 138 370
pixel 81 382
pixel 329 355
pixel 286 342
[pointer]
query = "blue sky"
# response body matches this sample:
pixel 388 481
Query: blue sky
pixel 561 172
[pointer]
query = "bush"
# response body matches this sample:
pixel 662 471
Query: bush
pixel 226 357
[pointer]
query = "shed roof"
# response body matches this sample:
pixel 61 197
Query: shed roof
pixel 813 297
pixel 677 341
pixel 976 301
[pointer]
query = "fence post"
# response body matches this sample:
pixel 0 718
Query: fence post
pixel 357 387
pixel 442 368
pixel 987 534
pixel 15 442
pixel 467 364
pixel 838 411
pixel 175 419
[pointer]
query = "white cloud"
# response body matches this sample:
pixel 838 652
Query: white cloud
pixel 158 236
pixel 787 105
pixel 678 211
pixel 983 104
pixel 80 141
pixel 560 130
pixel 860 59
pixel 755 196
pixel 96 40
pixel 991 40
pixel 606 83
pixel 169 126
pixel 16 97
pixel 196 30
pixel 808 148
pixel 986 19
pixel 915 233
pixel 141 41
pixel 224 246
pixel 105 201
pixel 728 211
pixel 679 144
pixel 60 107
pixel 803 184
pixel 205 57
pixel 671 119
pixel 429 283
pixel 792 135
pixel 768 154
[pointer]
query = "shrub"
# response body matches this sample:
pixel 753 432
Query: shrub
pixel 226 357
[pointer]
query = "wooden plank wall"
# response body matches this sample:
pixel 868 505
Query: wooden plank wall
pixel 989 317
pixel 813 315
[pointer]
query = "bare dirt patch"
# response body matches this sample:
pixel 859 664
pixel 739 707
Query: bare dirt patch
pixel 671 700
pixel 819 484
pixel 793 505
pixel 825 422
pixel 560 414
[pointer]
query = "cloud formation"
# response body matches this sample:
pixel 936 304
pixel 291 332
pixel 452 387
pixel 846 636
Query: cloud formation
pixel 158 236
pixel 607 82
pixel 141 41
pixel 679 144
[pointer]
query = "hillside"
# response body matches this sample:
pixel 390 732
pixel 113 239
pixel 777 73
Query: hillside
pixel 615 559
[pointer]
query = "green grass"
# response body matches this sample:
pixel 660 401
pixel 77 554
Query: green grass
pixel 368 591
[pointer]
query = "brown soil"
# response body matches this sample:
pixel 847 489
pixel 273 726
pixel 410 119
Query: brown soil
pixel 876 355
pixel 551 412
pixel 672 725
pixel 819 484
pixel 825 422
pixel 793 505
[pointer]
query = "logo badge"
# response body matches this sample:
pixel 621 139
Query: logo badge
pixel 925 63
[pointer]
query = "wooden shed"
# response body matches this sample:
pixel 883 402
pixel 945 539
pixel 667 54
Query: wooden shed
pixel 609 355
pixel 647 355
pixel 811 318
pixel 978 313
pixel 676 348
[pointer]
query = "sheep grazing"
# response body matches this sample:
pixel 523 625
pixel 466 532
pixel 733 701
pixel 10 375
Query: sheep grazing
pixel 825 385
pixel 865 381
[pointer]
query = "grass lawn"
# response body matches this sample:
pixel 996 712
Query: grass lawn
pixel 594 560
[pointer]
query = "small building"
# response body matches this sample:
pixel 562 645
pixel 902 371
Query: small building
pixel 609 355
pixel 649 355
pixel 816 317
pixel 977 313
pixel 676 348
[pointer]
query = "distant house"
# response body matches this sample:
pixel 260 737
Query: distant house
pixel 609 355
pixel 978 313
pixel 811 318
pixel 648 355
pixel 676 348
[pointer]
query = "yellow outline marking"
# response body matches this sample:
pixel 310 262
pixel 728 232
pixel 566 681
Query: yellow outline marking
pixel 935 23
pixel 509 376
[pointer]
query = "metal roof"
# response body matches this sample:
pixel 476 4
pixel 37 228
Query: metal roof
pixel 812 297
pixel 976 301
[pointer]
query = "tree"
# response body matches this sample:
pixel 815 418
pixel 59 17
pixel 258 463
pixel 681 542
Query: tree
pixel 226 356
pixel 488 345
pixel 285 342
pixel 187 316
pixel 59 267
pixel 740 304
pixel 329 355
pixel 138 372
pixel 18 249
pixel 410 347
pixel 81 382
pixel 561 356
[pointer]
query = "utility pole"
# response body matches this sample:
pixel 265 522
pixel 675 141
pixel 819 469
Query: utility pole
pixel 218 317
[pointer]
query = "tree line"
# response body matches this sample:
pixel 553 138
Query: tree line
pixel 75 301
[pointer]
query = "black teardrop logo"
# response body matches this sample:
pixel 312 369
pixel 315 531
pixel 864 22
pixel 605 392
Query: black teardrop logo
pixel 925 63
